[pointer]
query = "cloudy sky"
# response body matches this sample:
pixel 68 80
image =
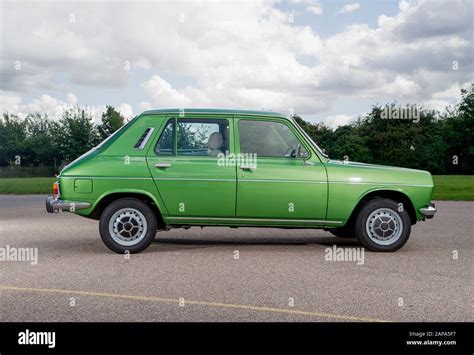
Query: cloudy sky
pixel 325 60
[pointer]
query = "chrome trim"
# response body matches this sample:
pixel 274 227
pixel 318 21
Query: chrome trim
pixel 231 112
pixel 106 177
pixel 428 211
pixel 276 180
pixel 258 219
pixel 248 167
pixel 162 165
pixel 242 180
pixel 194 179
pixel 147 137
pixel 376 183
pixel 58 204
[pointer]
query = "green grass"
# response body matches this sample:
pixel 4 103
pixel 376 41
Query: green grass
pixel 25 186
pixel 447 187
pixel 454 187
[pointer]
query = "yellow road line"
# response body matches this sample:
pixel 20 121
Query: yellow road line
pixel 200 303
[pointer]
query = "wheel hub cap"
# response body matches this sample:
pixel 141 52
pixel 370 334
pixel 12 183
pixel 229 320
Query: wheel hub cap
pixel 127 226
pixel 384 226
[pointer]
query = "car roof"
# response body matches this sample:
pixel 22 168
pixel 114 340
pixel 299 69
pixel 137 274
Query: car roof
pixel 214 111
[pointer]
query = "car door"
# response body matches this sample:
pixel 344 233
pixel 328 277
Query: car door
pixel 279 184
pixel 184 164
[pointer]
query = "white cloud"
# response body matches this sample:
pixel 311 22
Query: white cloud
pixel 335 121
pixel 126 110
pixel 316 9
pixel 231 54
pixel 347 8
pixel 53 107
pixel 446 98
pixel 71 99
pixel 453 92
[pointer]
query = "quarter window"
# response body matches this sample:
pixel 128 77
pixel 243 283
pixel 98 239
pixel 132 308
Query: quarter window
pixel 269 139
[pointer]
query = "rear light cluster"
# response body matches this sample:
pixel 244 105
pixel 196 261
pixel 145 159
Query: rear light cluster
pixel 56 189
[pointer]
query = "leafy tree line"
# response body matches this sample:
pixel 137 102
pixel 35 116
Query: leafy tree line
pixel 442 143
pixel 38 140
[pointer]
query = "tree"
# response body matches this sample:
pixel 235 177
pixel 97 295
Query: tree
pixel 12 139
pixel 321 134
pixel 348 144
pixel 458 133
pixel 112 120
pixel 75 133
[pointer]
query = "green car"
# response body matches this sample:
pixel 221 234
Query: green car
pixel 179 168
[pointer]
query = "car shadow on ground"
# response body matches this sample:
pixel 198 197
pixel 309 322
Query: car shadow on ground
pixel 172 244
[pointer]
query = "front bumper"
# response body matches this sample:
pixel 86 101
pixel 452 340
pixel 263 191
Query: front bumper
pixel 429 211
pixel 53 205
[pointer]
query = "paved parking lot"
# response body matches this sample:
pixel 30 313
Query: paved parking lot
pixel 223 274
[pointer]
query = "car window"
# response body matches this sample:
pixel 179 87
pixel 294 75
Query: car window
pixel 203 137
pixel 269 139
pixel 165 145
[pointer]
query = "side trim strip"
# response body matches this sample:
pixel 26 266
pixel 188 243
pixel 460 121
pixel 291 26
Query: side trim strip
pixel 244 180
pixel 276 180
pixel 257 220
pixel 105 177
pixel 194 179
pixel 376 183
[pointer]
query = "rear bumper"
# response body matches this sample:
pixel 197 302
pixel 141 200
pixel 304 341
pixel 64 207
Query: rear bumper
pixel 429 211
pixel 55 204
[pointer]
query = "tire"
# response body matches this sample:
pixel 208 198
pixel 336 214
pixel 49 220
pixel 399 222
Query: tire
pixel 127 224
pixel 380 226
pixel 343 232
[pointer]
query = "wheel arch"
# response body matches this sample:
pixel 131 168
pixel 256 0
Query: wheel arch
pixel 393 194
pixel 105 199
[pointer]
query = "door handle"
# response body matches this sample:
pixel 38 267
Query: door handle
pixel 248 167
pixel 162 165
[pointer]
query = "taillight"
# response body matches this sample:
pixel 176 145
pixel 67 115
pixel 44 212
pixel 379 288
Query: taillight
pixel 56 189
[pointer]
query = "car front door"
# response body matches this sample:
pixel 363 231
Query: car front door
pixel 185 165
pixel 283 179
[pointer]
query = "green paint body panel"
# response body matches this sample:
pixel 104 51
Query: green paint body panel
pixel 197 190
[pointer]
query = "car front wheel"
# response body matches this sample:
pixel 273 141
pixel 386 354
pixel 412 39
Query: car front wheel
pixel 127 224
pixel 383 225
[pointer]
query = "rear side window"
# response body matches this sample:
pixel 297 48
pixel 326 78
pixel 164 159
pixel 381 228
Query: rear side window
pixel 165 145
pixel 203 137
pixel 144 138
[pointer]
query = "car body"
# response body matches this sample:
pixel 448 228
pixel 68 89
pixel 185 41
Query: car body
pixel 210 167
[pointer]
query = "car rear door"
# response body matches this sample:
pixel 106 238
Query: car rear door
pixel 184 163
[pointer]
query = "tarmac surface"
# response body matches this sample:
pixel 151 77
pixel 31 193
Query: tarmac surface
pixel 224 274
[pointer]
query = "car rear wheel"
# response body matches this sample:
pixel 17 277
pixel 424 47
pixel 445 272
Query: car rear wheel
pixel 127 224
pixel 383 225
